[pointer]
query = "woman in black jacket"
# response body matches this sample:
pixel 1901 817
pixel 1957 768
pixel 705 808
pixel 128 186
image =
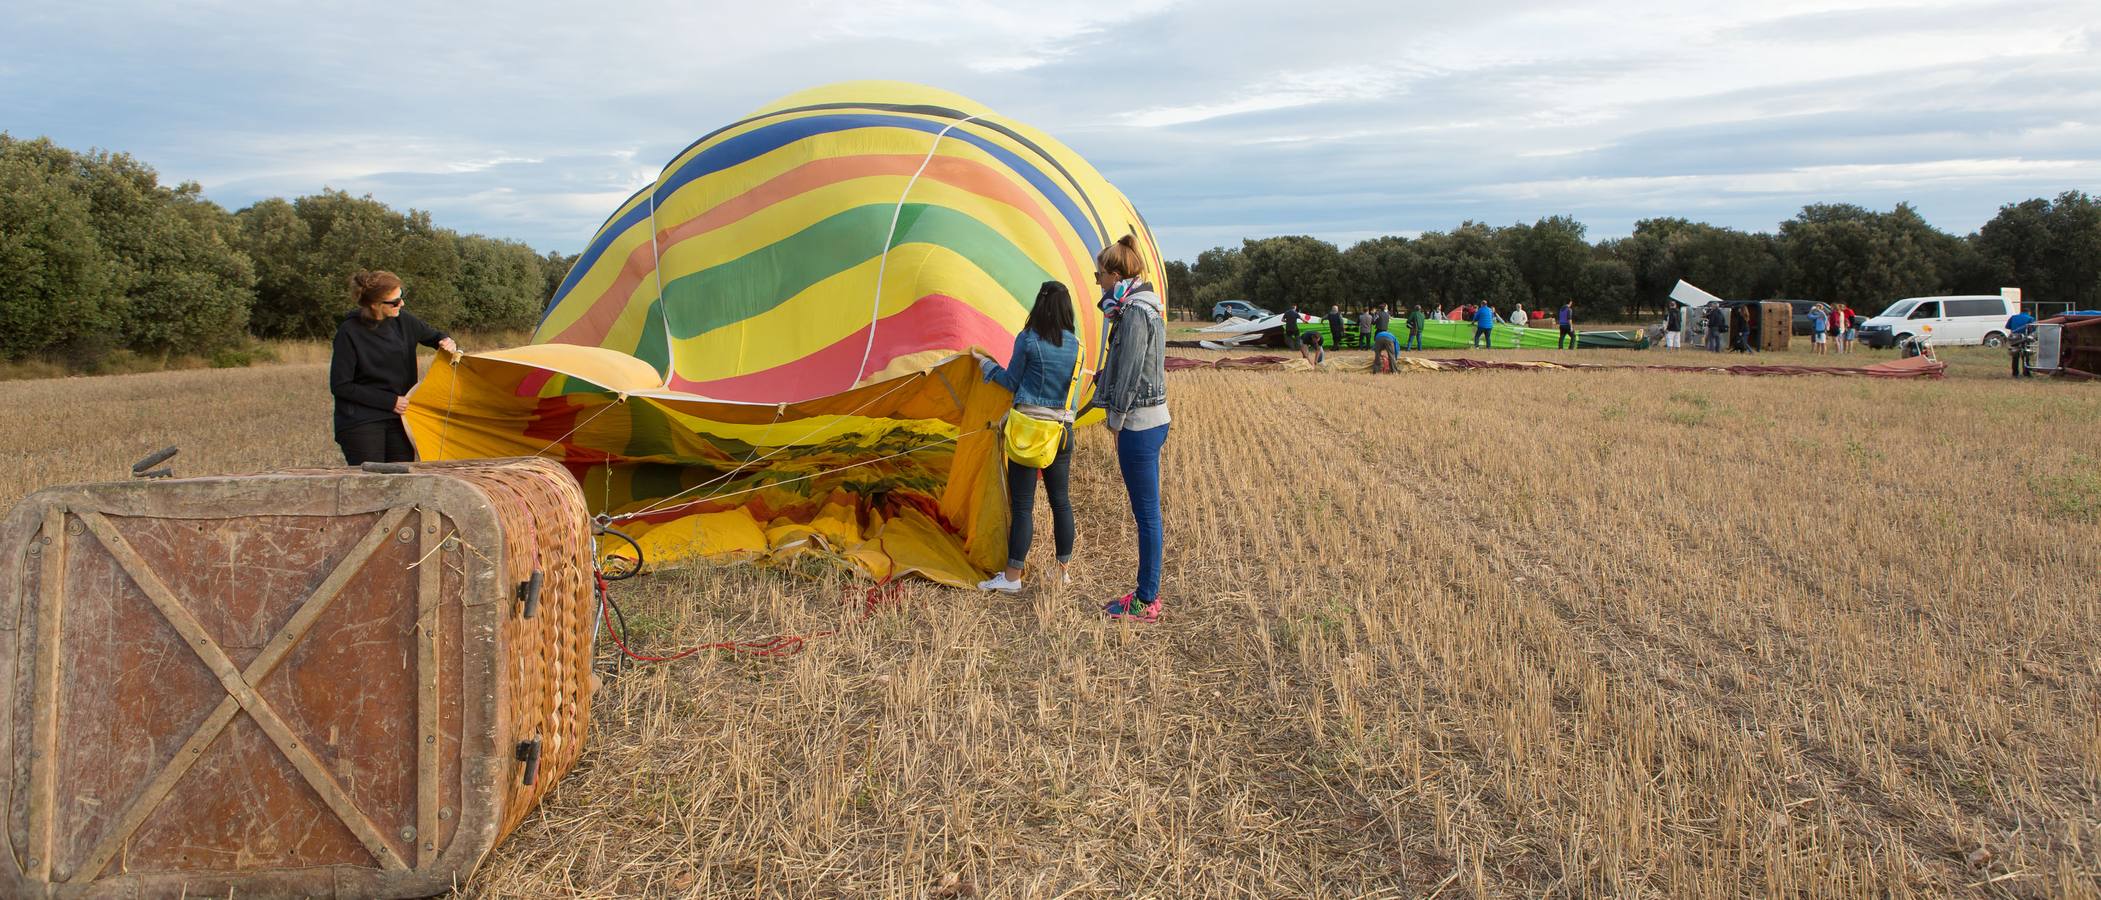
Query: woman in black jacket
pixel 373 368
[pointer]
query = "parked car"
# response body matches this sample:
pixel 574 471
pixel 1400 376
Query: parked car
pixel 1945 321
pixel 1229 308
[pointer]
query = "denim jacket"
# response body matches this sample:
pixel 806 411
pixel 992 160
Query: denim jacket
pixel 1134 376
pixel 1037 372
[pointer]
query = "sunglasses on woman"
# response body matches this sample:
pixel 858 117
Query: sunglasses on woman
pixel 394 302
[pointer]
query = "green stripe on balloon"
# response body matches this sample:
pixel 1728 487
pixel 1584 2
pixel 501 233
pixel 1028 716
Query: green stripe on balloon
pixel 772 275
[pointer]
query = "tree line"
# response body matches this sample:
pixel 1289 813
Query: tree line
pixel 1831 252
pixel 97 255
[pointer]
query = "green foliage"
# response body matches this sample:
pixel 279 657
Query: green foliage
pixel 100 256
pixel 500 284
pixel 2050 250
pixel 97 258
pixel 56 285
pixel 1281 271
pixel 1866 259
pixel 1829 252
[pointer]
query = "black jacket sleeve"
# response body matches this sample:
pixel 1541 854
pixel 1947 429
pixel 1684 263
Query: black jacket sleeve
pixel 342 378
pixel 421 331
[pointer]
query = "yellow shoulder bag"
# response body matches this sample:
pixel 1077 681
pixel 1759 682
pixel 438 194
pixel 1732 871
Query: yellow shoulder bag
pixel 1033 442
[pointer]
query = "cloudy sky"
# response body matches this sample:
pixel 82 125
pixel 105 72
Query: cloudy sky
pixel 1221 120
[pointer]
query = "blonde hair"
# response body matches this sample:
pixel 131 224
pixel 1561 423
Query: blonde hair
pixel 1121 259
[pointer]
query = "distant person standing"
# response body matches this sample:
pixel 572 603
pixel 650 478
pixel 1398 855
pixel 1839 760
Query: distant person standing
pixel 1484 326
pixel 1364 327
pixel 1519 319
pixel 2020 329
pixel 1416 320
pixel 1717 326
pixel 373 367
pixel 1338 327
pixel 1384 320
pixel 1819 324
pixel 1291 325
pixel 1566 318
pixel 1843 323
pixel 1673 322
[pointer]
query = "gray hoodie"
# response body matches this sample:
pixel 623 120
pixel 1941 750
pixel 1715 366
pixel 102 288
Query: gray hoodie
pixel 1132 385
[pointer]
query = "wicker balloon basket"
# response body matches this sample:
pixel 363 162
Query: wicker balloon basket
pixel 306 683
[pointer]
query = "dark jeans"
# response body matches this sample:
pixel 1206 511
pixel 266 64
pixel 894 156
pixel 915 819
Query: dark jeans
pixel 1415 341
pixel 1138 456
pixel 1714 341
pixel 1021 504
pixel 1568 333
pixel 1484 336
pixel 2020 365
pixel 383 441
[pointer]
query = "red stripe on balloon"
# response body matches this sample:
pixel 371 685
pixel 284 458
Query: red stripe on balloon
pixel 933 322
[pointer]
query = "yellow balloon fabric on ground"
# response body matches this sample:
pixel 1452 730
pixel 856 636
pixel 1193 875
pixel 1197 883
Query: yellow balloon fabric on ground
pixel 769 343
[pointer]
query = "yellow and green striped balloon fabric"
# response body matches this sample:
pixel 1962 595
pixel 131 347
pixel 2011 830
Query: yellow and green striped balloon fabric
pixel 760 353
pixel 841 236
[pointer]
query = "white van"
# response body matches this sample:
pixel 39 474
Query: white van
pixel 1944 321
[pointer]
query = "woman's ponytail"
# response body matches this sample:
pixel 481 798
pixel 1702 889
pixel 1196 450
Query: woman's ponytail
pixel 1121 259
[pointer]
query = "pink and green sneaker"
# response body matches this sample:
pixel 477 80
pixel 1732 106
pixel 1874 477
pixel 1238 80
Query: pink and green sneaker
pixel 1128 607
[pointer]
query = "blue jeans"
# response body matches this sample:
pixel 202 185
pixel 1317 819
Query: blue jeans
pixel 1138 456
pixel 1021 500
pixel 1415 341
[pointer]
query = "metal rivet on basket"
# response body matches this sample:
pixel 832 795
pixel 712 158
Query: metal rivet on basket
pixel 445 813
pixel 408 834
pixel 406 535
pixel 73 528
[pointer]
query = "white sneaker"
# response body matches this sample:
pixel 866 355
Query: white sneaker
pixel 999 582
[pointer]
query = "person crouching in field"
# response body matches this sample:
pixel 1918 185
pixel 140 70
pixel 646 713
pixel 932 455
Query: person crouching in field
pixel 1310 349
pixel 1385 349
pixel 372 368
pixel 1043 373
pixel 1132 387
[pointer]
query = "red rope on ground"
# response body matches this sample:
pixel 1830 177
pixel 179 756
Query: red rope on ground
pixel 774 647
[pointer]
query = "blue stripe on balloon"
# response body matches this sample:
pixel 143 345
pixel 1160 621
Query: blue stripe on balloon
pixel 607 234
pixel 760 141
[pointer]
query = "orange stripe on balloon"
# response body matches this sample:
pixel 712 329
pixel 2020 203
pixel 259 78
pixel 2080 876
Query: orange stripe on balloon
pixel 965 174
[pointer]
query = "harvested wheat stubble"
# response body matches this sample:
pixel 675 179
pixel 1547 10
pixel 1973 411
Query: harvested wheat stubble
pixel 1610 633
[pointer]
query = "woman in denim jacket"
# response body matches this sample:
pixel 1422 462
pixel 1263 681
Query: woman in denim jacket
pixel 1132 388
pixel 1039 372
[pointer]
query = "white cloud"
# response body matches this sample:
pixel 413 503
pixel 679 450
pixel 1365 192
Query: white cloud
pixel 1221 118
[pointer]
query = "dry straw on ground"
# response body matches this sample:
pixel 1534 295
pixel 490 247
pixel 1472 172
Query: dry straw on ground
pixel 1481 634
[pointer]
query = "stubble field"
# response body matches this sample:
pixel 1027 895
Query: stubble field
pixel 1465 634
